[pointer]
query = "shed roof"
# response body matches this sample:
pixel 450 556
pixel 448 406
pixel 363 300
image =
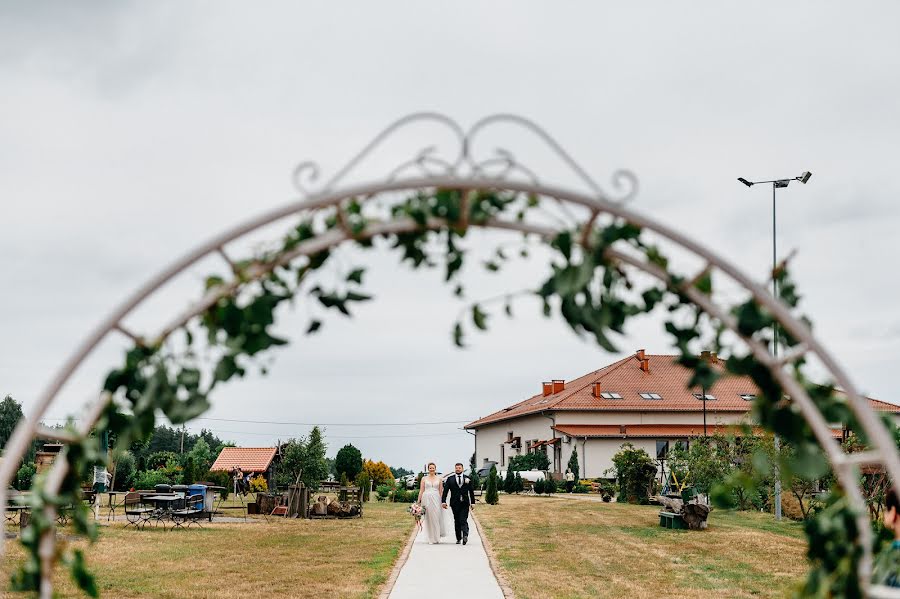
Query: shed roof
pixel 248 459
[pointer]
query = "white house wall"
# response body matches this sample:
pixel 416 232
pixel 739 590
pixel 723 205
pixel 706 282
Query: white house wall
pixel 635 417
pixel 490 437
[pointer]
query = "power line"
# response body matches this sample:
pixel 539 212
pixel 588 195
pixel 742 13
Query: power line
pixel 338 436
pixel 334 423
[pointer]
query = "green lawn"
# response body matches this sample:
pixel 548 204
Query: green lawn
pixel 281 558
pixel 572 548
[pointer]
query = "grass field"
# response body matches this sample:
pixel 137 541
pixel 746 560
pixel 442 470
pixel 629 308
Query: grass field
pixel 574 548
pixel 281 558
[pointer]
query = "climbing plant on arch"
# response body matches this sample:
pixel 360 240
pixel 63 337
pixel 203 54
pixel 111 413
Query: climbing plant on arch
pixel 609 264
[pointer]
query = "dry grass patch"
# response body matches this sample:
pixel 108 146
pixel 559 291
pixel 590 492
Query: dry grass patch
pixel 284 558
pixel 572 548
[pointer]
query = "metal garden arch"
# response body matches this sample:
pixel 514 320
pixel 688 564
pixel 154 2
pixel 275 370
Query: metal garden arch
pixel 464 172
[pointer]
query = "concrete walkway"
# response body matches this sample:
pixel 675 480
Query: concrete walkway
pixel 447 569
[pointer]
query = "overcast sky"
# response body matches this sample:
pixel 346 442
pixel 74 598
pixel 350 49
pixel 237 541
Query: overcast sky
pixel 130 132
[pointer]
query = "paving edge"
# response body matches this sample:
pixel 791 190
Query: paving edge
pixel 401 561
pixel 492 560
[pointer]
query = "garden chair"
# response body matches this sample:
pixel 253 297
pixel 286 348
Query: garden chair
pixel 136 512
pixel 189 514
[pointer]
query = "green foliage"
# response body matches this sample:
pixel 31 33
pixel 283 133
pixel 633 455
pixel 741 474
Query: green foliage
pixel 25 476
pixel 399 472
pixel 520 485
pixel 10 415
pixel 538 486
pixel 635 472
pixel 219 479
pixel 536 460
pixel 492 496
pixel 383 491
pixel 707 463
pixel 509 483
pixel 148 479
pixel 348 461
pixel 125 470
pixel 573 463
pixel 476 480
pixel 364 482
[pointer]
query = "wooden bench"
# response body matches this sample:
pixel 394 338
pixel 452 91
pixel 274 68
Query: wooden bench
pixel 672 520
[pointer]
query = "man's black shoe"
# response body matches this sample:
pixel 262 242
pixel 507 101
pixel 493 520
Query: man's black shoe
pixel 457 541
pixel 465 540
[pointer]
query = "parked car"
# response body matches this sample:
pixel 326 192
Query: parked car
pixel 485 470
pixel 409 481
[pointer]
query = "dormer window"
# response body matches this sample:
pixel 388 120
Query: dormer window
pixel 610 395
pixel 748 396
pixel 648 395
pixel 706 397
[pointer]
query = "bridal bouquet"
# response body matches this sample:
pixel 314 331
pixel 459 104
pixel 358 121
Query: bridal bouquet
pixel 417 512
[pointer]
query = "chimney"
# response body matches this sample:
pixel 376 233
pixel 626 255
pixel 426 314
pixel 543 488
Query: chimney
pixel 548 389
pixel 622 429
pixel 558 385
pixel 596 390
pixel 645 365
pixel 640 355
pixel 709 356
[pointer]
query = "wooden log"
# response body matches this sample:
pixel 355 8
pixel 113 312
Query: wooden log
pixel 695 514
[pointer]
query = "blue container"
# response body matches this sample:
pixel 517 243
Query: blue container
pixel 197 490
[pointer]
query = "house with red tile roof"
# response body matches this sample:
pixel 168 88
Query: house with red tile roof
pixel 255 460
pixel 642 399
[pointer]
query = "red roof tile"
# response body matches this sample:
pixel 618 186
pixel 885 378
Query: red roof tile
pixel 626 378
pixel 248 459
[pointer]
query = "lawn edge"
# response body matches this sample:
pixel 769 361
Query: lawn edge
pixel 388 585
pixel 492 561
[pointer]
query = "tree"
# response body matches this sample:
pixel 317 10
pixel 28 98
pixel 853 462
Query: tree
pixel 348 461
pixel 491 496
pixel 573 464
pixel 509 483
pixel 378 472
pixel 315 468
pixel 400 472
pixel 520 485
pixel 125 469
pixel 293 457
pixel 635 471
pixel 201 455
pixel 536 460
pixel 10 414
pixel 472 464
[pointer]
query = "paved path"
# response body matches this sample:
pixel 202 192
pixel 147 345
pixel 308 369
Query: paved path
pixel 447 570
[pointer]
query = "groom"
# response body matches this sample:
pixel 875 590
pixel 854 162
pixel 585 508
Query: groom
pixel 462 499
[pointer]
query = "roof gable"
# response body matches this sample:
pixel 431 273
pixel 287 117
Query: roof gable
pixel 248 459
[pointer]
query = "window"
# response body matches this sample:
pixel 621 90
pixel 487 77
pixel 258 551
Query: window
pixel 707 396
pixel 748 396
pixel 509 436
pixel 503 455
pixel 610 396
pixel 662 450
pixel 647 395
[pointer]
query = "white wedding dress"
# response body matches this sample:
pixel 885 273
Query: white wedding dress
pixel 433 521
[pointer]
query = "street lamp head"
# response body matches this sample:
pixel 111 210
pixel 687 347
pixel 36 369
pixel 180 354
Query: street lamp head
pixel 745 182
pixel 804 177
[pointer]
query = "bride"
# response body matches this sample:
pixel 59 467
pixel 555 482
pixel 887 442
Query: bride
pixel 430 492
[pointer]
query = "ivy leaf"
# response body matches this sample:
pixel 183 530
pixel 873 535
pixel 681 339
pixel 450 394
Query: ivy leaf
pixel 459 291
pixel 458 335
pixel 491 266
pixel 563 243
pixel 704 283
pixel 356 276
pixel 479 318
pixel 314 326
pixel 352 296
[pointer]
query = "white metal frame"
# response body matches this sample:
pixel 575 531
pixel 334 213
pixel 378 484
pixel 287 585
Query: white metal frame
pixel 466 173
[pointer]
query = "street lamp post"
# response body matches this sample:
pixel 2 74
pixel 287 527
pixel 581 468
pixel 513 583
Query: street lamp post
pixel 776 184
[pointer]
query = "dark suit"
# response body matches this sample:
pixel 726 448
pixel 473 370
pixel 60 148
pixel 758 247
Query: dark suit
pixel 461 497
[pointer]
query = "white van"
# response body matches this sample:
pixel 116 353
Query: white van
pixel 530 475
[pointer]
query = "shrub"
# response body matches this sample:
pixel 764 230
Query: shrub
pixel 635 473
pixel 348 461
pixel 383 491
pixel 126 469
pixel 509 483
pixel 404 496
pixel 491 495
pixel 549 486
pixel 539 487
pixel 25 476
pixel 573 462
pixel 365 483
pixel 579 488
pixel 379 472
pixel 258 484
pixel 520 485
pixel 148 479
